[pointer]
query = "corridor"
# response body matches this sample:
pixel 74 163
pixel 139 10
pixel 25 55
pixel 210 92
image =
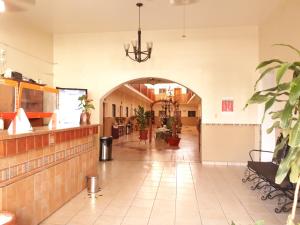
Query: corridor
pixel 148 186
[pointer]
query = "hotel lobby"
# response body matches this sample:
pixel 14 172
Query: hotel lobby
pixel 133 112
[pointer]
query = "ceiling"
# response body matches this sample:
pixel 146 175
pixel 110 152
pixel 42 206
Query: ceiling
pixel 70 16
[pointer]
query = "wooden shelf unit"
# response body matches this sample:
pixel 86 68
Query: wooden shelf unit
pixel 26 95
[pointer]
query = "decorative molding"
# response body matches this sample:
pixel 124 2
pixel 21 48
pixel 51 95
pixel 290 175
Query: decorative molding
pixel 55 147
pixel 230 124
pixel 220 163
pixel 35 165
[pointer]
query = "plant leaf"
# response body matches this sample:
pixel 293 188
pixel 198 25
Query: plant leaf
pixel 295 136
pixel 289 46
pixel 281 71
pixel 285 166
pixel 294 172
pixel 267 62
pixel 275 125
pixel 278 88
pixel 264 73
pixel 260 222
pixel 257 98
pixel 280 146
pixel 276 115
pixel 286 115
pixel 268 105
pixel 295 91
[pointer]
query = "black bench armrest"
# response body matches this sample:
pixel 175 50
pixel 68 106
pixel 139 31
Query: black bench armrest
pixel 255 150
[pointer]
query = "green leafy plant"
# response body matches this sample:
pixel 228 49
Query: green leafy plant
pixel 170 122
pixel 148 117
pixel 85 104
pixel 141 117
pixel 286 96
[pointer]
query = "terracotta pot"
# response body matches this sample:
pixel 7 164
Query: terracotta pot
pixel 174 141
pixel 143 134
pixel 85 118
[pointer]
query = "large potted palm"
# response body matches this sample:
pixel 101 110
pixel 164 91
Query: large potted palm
pixel 286 116
pixel 141 119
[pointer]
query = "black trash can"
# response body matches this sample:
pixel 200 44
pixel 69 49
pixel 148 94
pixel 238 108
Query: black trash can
pixel 105 148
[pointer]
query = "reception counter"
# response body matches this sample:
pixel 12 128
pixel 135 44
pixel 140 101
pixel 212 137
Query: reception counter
pixel 40 171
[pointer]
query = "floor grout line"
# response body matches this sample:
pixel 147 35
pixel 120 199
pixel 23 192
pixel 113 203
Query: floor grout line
pixel 155 196
pixel 133 200
pixel 176 194
pixel 195 193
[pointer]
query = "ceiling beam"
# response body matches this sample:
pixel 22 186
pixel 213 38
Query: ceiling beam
pixel 138 93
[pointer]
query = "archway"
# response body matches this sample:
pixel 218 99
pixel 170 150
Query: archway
pixel 153 81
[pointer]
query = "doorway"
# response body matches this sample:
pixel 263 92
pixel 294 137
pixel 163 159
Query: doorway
pixel 119 121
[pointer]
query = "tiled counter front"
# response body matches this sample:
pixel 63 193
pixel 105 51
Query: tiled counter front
pixel 39 172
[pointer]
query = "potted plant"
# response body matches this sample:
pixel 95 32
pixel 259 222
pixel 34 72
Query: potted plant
pixel 174 139
pixel 141 119
pixel 85 106
pixel 286 116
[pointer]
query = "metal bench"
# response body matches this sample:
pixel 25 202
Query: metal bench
pixel 263 174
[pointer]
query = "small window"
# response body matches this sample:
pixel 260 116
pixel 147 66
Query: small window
pixel 113 110
pixel 191 113
pixel 162 91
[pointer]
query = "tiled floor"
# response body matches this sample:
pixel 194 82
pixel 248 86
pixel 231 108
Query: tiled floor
pixel 148 186
pixel 129 148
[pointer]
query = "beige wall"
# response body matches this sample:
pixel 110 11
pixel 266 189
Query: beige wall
pixel 281 27
pixel 189 121
pixel 29 50
pixel 214 63
pixel 228 142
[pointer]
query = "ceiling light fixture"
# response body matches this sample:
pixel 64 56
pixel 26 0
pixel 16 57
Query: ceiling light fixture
pixel 183 2
pixel 138 54
pixel 2 6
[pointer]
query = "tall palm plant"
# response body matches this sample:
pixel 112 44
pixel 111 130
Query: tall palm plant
pixel 287 118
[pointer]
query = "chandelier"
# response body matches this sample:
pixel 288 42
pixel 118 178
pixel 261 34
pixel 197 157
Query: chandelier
pixel 137 54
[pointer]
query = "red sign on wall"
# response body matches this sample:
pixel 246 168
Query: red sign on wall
pixel 227 105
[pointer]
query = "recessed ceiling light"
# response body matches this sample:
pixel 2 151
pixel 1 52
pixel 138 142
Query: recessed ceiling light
pixel 182 2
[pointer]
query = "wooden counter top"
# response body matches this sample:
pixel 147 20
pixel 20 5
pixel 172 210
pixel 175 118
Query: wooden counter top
pixel 41 130
pixel 42 170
